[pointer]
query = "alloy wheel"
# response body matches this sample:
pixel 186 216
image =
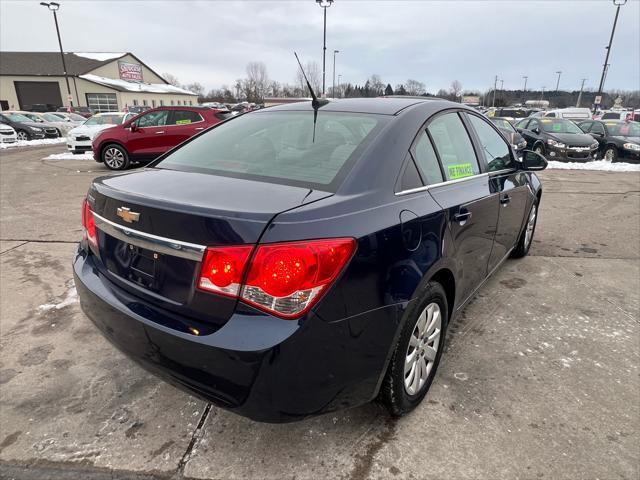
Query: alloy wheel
pixel 531 223
pixel 609 155
pixel 538 150
pixel 22 136
pixel 422 349
pixel 114 158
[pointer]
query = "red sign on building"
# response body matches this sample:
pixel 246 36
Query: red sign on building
pixel 130 71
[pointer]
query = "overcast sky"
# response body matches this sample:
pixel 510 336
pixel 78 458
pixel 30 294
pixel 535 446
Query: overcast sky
pixel 433 42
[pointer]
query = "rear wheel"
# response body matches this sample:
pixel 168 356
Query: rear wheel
pixel 417 353
pixel 22 135
pixel 526 237
pixel 610 154
pixel 115 157
pixel 539 149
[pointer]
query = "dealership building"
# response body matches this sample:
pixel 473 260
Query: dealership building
pixel 103 82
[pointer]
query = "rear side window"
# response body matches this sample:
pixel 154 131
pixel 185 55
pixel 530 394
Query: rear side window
pixel 224 115
pixel 523 123
pixel 185 117
pixel 597 128
pixel 610 115
pixel 279 147
pixel 427 160
pixel 584 126
pixel 496 150
pixel 454 146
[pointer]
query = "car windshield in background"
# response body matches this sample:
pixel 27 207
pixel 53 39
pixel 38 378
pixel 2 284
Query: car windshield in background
pixel 559 126
pixel 17 117
pixel 105 120
pixel 623 129
pixel 76 118
pixel 504 124
pixel 50 117
pixel 279 147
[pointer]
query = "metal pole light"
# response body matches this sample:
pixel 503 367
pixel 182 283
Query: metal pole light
pixel 54 7
pixel 324 4
pixel 524 90
pixel 333 93
pixel 559 72
pixel 339 87
pixel 495 84
pixel 580 94
pixel 618 4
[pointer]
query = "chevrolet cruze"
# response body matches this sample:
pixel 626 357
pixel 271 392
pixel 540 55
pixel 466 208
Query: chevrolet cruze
pixel 298 260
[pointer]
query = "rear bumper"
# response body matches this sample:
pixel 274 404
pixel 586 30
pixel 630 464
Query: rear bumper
pixel 256 365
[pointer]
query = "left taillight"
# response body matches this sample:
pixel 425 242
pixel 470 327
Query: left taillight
pixel 89 224
pixel 284 279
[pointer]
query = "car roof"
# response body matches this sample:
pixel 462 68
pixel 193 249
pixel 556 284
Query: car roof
pixel 377 105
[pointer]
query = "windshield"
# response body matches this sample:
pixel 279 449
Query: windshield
pixel 624 129
pixel 17 117
pixel 504 124
pixel 50 117
pixel 105 120
pixel 559 126
pixel 278 147
pixel 76 118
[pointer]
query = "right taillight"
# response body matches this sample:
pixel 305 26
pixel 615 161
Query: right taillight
pixel 284 279
pixel 89 224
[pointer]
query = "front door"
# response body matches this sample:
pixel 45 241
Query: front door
pixel 509 183
pixel 149 138
pixel 466 196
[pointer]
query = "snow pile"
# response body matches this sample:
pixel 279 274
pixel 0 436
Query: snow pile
pixel 600 165
pixel 100 56
pixel 70 298
pixel 33 143
pixel 135 86
pixel 70 156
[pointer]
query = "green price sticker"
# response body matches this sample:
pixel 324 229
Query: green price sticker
pixel 460 170
pixel 183 122
pixel 557 127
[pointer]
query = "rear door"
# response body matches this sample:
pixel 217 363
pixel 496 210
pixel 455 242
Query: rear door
pixel 507 181
pixel 149 139
pixel 466 196
pixel 183 124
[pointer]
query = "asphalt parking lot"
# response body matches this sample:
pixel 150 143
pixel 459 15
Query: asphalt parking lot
pixel 540 379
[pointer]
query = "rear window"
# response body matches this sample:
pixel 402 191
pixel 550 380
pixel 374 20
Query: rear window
pixel 611 115
pixel 279 147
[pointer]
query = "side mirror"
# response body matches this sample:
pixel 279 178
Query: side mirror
pixel 133 127
pixel 533 161
pixel 536 130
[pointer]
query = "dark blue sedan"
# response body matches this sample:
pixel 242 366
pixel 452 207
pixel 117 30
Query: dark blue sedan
pixel 281 265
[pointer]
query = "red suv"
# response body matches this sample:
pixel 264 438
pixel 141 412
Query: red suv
pixel 150 134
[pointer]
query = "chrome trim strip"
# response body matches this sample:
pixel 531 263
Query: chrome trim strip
pixel 167 246
pixel 442 184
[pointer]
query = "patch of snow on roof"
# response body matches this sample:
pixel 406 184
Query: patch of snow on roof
pixel 136 86
pixel 600 165
pixel 100 56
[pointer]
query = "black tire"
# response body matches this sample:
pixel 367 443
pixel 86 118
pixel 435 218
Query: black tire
pixel 393 394
pixel 115 157
pixel 612 152
pixel 59 133
pixel 539 148
pixel 524 243
pixel 24 134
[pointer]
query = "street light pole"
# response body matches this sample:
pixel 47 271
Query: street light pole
pixel 618 4
pixel 495 85
pixel 559 72
pixel 542 94
pixel 53 6
pixel 333 92
pixel 580 94
pixel 324 4
pixel 524 90
pixel 339 87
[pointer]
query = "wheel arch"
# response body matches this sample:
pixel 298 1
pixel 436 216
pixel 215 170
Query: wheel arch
pixel 445 277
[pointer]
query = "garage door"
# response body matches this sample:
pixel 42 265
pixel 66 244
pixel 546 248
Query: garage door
pixel 33 93
pixel 102 102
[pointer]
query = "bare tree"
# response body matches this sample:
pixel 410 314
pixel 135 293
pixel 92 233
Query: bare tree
pixel 312 69
pixel 376 85
pixel 456 89
pixel 414 87
pixel 196 88
pixel 171 79
pixel 257 81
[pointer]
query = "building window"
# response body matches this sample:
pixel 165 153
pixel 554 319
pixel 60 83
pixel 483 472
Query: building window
pixel 102 102
pixel 162 103
pixel 190 102
pixel 135 103
pixel 153 103
pixel 172 102
pixel 144 102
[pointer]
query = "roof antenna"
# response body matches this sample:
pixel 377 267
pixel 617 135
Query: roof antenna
pixel 316 102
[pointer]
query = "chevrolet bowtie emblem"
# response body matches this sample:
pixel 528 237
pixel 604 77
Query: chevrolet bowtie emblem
pixel 127 215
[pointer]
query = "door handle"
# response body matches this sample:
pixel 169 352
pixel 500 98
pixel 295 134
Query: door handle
pixel 199 128
pixel 505 200
pixel 462 217
pixel 160 132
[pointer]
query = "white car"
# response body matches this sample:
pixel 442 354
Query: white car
pixel 577 114
pixel 79 139
pixel 7 134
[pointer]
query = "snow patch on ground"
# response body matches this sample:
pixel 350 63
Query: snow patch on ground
pixel 70 298
pixel 600 165
pixel 70 156
pixel 33 143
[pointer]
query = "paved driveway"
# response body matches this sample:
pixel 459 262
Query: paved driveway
pixel 540 379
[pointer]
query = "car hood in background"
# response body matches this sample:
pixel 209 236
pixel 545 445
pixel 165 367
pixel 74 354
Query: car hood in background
pixel 575 139
pixel 627 139
pixel 89 130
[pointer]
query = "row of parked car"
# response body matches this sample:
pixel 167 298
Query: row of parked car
pixel 572 134
pixel 21 125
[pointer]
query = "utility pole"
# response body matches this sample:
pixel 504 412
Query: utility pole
pixel 559 72
pixel 580 94
pixel 524 90
pixel 495 85
pixel 53 6
pixel 339 87
pixel 618 3
pixel 333 92
pixel 542 94
pixel 324 4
